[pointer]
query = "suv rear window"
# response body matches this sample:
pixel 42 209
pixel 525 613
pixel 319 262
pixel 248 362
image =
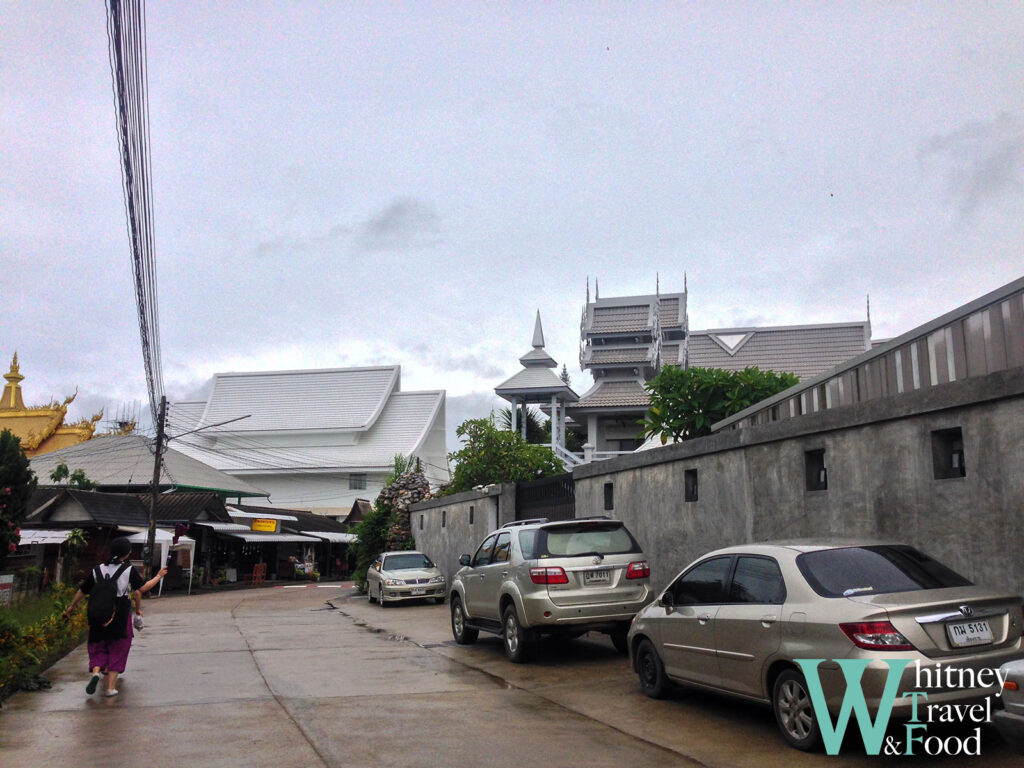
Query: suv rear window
pixel 853 571
pixel 579 540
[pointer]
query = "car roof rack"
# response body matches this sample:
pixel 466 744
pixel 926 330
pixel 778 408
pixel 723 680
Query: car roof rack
pixel 531 521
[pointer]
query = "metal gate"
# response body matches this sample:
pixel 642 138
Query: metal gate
pixel 551 497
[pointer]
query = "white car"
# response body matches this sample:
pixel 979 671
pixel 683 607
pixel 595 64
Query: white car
pixel 404 575
pixel 1010 719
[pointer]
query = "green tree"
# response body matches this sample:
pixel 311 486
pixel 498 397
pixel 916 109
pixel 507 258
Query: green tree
pixel 17 483
pixel 491 455
pixel 686 402
pixel 76 479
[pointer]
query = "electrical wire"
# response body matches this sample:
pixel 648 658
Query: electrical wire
pixel 126 36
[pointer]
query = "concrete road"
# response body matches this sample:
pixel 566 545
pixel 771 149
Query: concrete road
pixel 316 677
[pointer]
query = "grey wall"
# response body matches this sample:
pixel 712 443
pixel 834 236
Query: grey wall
pixel 443 543
pixel 880 482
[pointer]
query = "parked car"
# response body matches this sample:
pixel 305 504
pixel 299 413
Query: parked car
pixel 1010 718
pixel 736 619
pixel 533 577
pixel 395 576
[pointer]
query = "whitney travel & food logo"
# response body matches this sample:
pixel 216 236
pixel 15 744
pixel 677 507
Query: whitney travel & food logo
pixel 915 740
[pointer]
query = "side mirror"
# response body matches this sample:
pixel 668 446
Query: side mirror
pixel 464 560
pixel 667 600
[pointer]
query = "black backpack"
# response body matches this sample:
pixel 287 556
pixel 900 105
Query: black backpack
pixel 103 597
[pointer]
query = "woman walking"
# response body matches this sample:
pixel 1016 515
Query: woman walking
pixel 112 586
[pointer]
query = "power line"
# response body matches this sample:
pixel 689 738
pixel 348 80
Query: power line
pixel 126 36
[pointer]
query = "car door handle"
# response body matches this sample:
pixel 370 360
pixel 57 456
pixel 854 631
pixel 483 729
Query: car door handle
pixel 704 619
pixel 767 621
pixel 504 574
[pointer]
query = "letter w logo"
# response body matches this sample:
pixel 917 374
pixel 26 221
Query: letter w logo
pixel 853 701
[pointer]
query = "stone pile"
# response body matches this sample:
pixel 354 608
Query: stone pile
pixel 406 490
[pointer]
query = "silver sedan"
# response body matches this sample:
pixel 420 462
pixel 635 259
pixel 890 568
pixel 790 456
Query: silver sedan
pixel 395 576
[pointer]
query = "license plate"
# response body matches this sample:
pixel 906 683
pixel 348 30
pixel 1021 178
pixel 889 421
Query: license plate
pixel 969 633
pixel 419 592
pixel 597 577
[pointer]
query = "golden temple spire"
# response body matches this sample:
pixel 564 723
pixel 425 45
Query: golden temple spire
pixel 12 392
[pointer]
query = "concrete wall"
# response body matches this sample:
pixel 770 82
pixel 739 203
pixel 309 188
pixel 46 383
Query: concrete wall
pixel 751 482
pixel 442 527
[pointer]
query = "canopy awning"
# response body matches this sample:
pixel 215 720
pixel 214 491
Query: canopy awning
pixel 222 527
pixel 39 536
pixel 235 512
pixel 270 538
pixel 335 537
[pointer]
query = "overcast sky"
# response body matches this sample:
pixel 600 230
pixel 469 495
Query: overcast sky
pixel 346 184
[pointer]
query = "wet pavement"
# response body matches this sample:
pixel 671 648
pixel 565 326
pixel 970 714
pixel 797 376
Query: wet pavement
pixel 315 676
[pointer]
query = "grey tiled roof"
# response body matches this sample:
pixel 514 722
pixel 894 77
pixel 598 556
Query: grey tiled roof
pixel 127 461
pixel 400 428
pixel 668 311
pixel 612 394
pixel 804 350
pixel 621 319
pixel 85 507
pixel 537 379
pixel 607 355
pixel 338 398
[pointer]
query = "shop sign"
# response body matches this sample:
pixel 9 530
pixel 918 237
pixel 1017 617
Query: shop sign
pixel 6 588
pixel 264 525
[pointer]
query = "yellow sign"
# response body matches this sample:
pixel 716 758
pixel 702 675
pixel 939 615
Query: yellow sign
pixel 265 525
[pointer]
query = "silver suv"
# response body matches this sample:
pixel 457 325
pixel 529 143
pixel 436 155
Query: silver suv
pixel 534 577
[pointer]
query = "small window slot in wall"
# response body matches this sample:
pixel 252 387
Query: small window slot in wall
pixel 470 514
pixel 948 453
pixel 421 522
pixel 444 518
pixel 690 485
pixel 609 496
pixel 815 470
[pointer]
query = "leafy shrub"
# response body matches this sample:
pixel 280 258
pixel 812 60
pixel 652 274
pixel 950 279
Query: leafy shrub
pixel 28 649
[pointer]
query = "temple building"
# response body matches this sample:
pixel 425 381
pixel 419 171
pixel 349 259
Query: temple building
pixel 41 429
pixel 315 440
pixel 625 341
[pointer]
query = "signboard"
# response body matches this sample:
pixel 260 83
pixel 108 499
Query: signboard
pixel 6 588
pixel 264 525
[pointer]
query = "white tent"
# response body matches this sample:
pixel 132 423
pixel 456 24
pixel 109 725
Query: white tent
pixel 164 541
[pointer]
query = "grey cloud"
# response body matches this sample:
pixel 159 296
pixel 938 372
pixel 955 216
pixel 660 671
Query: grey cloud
pixel 984 160
pixel 404 224
pixel 476 364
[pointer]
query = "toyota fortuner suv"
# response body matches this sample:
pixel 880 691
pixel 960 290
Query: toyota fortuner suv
pixel 533 578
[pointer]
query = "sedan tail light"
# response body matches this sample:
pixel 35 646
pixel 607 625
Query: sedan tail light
pixel 548 576
pixel 876 636
pixel 638 570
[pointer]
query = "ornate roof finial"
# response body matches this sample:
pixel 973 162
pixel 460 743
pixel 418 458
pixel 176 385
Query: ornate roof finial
pixel 14 363
pixel 538 333
pixel 684 282
pixel 869 309
pixel 657 284
pixel 597 290
pixel 588 289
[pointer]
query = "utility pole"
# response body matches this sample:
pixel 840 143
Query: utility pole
pixel 154 490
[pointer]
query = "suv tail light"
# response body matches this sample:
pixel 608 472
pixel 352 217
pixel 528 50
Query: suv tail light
pixel 876 636
pixel 638 570
pixel 548 576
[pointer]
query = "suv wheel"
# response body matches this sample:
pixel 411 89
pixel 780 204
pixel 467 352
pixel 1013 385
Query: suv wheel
pixel 516 641
pixel 794 711
pixel 651 671
pixel 463 635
